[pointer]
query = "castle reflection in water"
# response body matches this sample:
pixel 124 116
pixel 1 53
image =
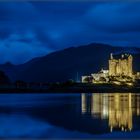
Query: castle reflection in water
pixel 118 108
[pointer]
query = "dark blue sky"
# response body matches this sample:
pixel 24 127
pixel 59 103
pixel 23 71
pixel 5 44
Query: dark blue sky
pixel 31 29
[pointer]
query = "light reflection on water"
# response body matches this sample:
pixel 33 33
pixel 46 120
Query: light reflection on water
pixel 86 113
pixel 118 108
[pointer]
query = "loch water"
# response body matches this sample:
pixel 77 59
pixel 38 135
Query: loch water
pixel 70 115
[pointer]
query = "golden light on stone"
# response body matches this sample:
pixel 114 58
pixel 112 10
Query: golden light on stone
pixel 120 72
pixel 129 84
pixel 121 66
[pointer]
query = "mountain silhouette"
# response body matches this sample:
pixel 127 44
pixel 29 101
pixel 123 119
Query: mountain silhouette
pixel 65 64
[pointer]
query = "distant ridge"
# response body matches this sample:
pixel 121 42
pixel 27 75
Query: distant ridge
pixel 64 64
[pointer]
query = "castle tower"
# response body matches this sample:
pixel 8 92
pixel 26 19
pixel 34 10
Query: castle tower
pixel 130 64
pixel 122 66
pixel 111 56
pixel 112 66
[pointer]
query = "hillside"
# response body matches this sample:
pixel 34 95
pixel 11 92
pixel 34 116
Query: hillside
pixel 63 65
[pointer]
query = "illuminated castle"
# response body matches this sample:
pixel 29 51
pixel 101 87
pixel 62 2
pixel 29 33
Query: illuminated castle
pixel 121 66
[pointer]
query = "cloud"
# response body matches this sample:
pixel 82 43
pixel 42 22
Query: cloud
pixel 116 17
pixel 4 33
pixel 31 29
pixel 17 12
pixel 21 48
pixel 18 40
pixel 108 22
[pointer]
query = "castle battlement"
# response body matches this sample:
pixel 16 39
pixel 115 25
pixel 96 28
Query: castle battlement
pixel 121 66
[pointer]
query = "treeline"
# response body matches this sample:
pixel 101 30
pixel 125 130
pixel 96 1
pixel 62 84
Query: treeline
pixel 5 82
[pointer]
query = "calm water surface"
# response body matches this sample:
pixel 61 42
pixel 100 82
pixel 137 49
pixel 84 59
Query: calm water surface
pixel 78 115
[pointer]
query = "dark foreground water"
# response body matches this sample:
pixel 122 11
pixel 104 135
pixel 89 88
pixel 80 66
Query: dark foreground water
pixel 81 115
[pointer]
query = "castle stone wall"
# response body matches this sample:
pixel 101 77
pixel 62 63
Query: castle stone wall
pixel 121 66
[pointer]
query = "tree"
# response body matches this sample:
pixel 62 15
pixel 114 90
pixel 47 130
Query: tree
pixel 69 82
pixel 4 79
pixel 20 83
